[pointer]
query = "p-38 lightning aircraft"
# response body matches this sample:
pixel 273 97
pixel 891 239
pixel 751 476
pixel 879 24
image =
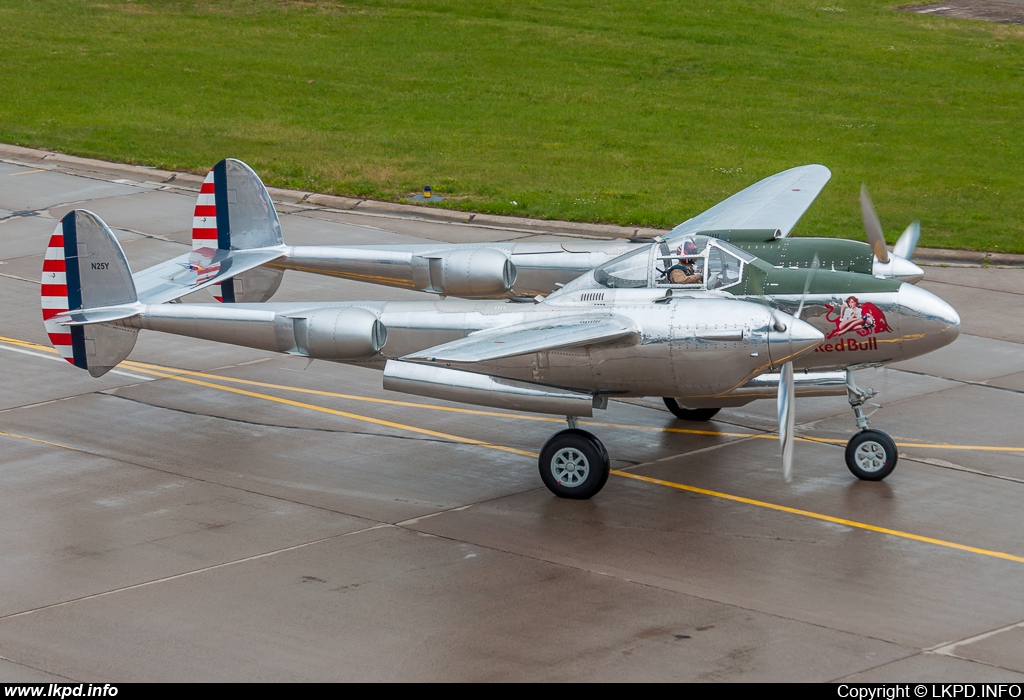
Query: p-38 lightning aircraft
pixel 621 329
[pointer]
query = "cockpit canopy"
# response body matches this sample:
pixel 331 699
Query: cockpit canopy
pixel 687 262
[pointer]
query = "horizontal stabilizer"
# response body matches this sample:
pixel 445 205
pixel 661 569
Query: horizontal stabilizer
pixel 531 337
pixel 106 314
pixel 199 269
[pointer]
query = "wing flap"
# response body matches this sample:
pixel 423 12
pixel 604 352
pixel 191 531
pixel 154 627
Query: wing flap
pixel 776 202
pixel 521 339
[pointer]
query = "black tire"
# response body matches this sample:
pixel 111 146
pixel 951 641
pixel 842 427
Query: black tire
pixel 871 455
pixel 690 413
pixel 574 464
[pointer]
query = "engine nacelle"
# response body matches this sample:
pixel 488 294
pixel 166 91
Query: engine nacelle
pixel 475 272
pixel 340 334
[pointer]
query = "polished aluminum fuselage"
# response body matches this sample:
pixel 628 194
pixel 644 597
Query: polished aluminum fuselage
pixel 693 344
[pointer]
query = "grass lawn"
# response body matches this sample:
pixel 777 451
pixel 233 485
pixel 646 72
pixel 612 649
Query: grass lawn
pixel 628 112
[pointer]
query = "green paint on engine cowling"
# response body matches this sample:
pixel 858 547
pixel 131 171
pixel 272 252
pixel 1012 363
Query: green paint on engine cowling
pixel 833 253
pixel 825 281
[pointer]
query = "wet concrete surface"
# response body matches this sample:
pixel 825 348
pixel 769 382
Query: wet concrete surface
pixel 156 529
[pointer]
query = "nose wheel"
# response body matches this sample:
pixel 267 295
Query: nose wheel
pixel 574 464
pixel 871 455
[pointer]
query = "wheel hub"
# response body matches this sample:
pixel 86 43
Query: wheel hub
pixel 870 456
pixel 570 467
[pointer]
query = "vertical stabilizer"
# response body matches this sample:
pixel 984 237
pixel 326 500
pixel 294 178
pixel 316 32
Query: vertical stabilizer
pixel 234 211
pixel 85 269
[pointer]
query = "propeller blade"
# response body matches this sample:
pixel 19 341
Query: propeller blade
pixel 872 226
pixel 907 242
pixel 815 264
pixel 786 390
pixel 786 419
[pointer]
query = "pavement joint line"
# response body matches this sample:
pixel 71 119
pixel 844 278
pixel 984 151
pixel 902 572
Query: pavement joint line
pixel 967 382
pixel 37 668
pixel 420 518
pixel 854 675
pixel 967 286
pixel 617 472
pixel 690 453
pixel 951 466
pixel 20 279
pixel 947 648
pixel 200 570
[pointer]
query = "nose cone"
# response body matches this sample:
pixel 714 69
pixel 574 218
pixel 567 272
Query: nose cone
pixel 790 337
pixel 926 321
pixel 898 268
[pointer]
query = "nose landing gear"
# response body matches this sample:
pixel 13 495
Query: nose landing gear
pixel 871 455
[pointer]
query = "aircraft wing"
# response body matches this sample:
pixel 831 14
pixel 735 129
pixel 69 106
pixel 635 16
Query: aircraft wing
pixel 776 202
pixel 197 270
pixel 521 339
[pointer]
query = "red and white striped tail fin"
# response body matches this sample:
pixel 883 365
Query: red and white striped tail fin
pixel 205 237
pixel 234 211
pixel 87 284
pixel 55 294
pixel 204 220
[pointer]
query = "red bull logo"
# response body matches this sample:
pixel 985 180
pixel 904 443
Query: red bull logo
pixel 848 345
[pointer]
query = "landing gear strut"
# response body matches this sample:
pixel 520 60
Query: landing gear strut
pixel 574 463
pixel 689 413
pixel 871 455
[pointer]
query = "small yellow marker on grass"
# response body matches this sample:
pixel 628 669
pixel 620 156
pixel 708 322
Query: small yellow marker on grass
pixel 427 196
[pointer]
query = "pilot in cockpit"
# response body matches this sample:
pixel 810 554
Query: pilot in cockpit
pixel 685 271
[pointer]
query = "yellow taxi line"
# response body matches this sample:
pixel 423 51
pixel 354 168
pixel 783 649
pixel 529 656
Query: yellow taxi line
pixel 140 366
pixel 32 439
pixel 519 416
pixel 820 516
pixel 503 448
pixel 334 412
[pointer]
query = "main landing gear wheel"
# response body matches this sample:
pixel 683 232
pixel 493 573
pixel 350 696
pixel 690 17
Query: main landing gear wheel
pixel 871 455
pixel 574 464
pixel 690 413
